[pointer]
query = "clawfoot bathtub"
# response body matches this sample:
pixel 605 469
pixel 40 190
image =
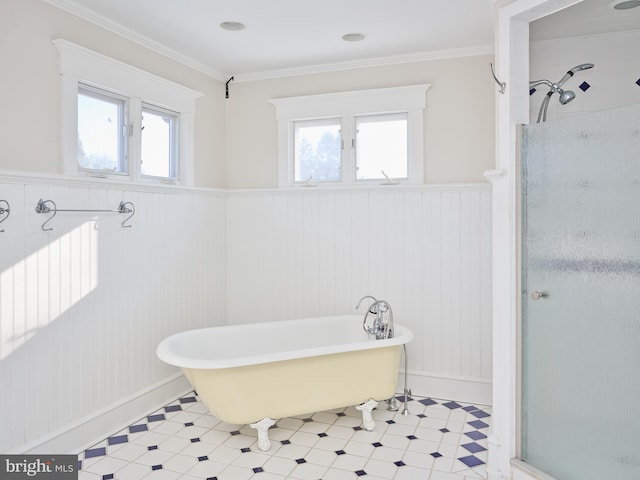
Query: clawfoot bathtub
pixel 255 373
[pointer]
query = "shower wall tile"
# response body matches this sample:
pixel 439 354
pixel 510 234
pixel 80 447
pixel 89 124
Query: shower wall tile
pixel 612 80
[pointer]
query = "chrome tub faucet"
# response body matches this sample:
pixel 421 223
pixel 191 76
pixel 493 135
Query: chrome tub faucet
pixel 383 322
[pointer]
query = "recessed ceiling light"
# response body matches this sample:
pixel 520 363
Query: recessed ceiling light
pixel 232 26
pixel 354 37
pixel 624 4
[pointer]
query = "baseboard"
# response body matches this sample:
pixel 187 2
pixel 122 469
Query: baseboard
pixel 463 389
pixel 523 471
pixel 83 433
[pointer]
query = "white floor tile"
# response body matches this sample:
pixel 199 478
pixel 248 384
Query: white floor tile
pixel 107 465
pixel 180 463
pixel 224 454
pixel 359 449
pixel 133 471
pixel 320 457
pixel 338 474
pixel 279 465
pixel 308 471
pixel 130 452
pixel 380 468
pixel 411 473
pixel 207 469
pixel 307 447
pixel 445 476
pixel 350 462
pixel 162 474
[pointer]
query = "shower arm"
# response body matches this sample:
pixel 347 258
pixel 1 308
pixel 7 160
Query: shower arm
pixel 555 87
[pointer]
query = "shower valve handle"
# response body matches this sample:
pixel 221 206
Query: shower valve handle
pixel 538 295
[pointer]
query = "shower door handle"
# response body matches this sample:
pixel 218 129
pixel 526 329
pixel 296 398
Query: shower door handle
pixel 538 295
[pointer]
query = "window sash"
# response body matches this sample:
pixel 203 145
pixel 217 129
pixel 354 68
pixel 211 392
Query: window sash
pixel 317 151
pixel 159 145
pixel 96 136
pixel 381 147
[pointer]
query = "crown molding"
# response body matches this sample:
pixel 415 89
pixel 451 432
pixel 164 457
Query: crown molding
pixel 367 63
pixel 74 8
pixel 84 13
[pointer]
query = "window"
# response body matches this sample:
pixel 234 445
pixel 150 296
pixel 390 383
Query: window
pixel 122 122
pixel 381 147
pixel 159 143
pixel 352 138
pixel 317 151
pixel 102 139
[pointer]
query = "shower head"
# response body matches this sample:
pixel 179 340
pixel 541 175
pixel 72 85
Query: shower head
pixel 577 68
pixel 565 96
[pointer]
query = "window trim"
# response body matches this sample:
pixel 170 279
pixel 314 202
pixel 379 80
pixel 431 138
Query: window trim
pixel 347 105
pixel 81 65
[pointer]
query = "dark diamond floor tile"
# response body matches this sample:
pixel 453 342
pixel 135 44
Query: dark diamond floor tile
pixel 118 440
pixel 95 452
pixel 473 447
pixel 138 428
pixel 471 461
pixel 475 435
pixel 478 424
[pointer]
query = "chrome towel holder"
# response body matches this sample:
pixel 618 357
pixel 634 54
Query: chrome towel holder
pixel 49 206
pixel 4 210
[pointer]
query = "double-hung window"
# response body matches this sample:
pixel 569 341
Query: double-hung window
pixel 121 122
pixel 352 138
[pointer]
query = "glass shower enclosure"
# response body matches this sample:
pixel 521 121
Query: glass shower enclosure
pixel 580 383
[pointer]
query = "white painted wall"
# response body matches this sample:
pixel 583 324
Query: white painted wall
pixel 458 120
pixel 30 89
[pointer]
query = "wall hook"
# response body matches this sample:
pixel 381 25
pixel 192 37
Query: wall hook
pixel 42 207
pixel 502 85
pixel 226 88
pixel 4 210
pixel 124 208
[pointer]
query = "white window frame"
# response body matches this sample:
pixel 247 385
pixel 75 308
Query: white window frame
pixel 348 105
pixel 123 155
pixel 79 65
pixel 174 142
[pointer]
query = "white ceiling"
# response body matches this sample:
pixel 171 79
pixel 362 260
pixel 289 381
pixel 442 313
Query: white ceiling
pixel 297 35
pixel 290 34
pixel 589 17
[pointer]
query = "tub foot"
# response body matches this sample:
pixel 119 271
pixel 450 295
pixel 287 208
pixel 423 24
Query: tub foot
pixel 263 432
pixel 366 408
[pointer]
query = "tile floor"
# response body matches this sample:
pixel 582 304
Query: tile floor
pixel 439 440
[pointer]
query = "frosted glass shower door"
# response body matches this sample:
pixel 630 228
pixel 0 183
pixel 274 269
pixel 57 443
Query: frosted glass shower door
pixel 581 296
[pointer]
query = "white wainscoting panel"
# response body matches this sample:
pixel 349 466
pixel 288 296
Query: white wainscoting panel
pixel 300 253
pixel 83 306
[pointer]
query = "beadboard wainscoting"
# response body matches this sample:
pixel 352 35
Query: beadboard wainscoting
pixel 84 305
pixel 426 250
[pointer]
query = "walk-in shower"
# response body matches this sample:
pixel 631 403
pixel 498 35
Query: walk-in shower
pixel 565 95
pixel 580 320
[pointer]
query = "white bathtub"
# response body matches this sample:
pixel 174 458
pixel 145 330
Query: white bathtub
pixel 258 372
